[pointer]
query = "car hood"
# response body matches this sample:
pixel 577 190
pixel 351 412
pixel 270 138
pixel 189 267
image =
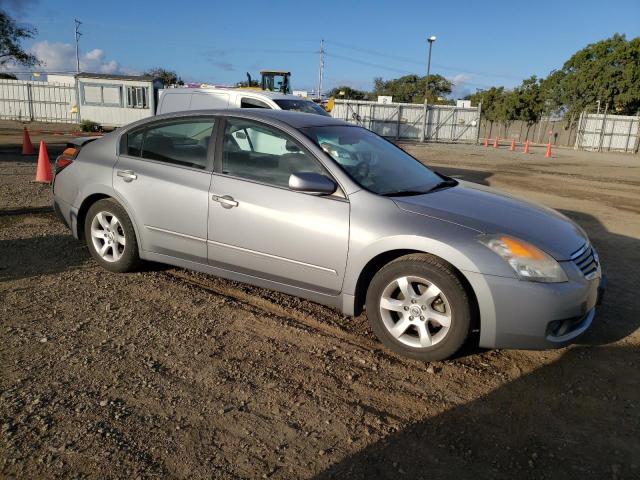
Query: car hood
pixel 489 211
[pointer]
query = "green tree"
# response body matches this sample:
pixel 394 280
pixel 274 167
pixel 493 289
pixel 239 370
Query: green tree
pixel 412 88
pixel 11 36
pixel 168 77
pixel 493 108
pixel 608 71
pixel 348 93
pixel 529 103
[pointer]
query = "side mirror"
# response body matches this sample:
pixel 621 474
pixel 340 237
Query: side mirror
pixel 310 182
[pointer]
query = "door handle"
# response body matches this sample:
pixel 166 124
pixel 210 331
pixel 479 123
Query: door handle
pixel 127 175
pixel 226 201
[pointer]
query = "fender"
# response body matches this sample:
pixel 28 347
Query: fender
pixel 92 189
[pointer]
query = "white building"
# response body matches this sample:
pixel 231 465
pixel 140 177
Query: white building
pixel 109 100
pixel 114 100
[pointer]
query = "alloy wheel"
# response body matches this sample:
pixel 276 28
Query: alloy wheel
pixel 108 236
pixel 415 311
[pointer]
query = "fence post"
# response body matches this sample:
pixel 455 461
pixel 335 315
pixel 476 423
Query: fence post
pixel 638 134
pixel 372 116
pixel 30 101
pixel 78 117
pixel 579 131
pixel 478 123
pixel 604 119
pixel 626 147
pixel 398 122
pixel 423 133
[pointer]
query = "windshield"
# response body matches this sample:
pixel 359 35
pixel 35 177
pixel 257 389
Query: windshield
pixel 373 162
pixel 306 106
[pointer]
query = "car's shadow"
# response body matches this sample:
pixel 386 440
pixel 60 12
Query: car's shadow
pixel 573 419
pixel 576 418
pixel 42 255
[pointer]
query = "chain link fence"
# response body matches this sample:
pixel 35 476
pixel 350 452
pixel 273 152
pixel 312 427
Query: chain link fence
pixel 37 101
pixel 606 132
pixel 410 121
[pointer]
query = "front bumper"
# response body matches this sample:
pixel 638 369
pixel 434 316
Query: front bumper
pixel 529 315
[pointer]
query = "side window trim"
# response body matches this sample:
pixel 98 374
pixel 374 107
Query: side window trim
pixel 212 147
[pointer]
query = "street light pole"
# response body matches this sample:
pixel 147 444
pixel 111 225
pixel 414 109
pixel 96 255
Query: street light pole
pixel 431 39
pixel 423 134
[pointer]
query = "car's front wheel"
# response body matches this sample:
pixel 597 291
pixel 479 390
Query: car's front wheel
pixel 110 236
pixel 418 307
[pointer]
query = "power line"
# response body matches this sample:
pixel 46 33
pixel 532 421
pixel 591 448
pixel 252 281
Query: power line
pixel 416 62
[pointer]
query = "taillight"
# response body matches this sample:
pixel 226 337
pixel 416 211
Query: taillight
pixel 66 158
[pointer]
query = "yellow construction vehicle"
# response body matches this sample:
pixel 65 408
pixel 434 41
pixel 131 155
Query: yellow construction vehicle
pixel 271 80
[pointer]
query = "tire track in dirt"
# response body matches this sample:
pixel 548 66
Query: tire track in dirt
pixel 266 306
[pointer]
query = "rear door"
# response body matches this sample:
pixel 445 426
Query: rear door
pixel 163 173
pixel 260 227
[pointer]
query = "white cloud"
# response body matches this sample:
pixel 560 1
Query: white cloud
pixel 461 87
pixel 61 57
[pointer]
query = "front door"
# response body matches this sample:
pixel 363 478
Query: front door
pixel 164 173
pixel 260 227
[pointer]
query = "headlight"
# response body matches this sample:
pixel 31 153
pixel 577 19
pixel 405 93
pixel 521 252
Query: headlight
pixel 529 263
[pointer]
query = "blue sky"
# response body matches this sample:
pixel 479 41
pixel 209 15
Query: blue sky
pixel 479 43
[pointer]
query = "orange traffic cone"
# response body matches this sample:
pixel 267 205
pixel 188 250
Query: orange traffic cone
pixel 512 148
pixel 43 172
pixel 495 142
pixel 27 146
pixel 548 152
pixel 526 147
pixel 486 142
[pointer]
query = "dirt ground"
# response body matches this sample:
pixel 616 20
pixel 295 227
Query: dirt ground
pixel 174 374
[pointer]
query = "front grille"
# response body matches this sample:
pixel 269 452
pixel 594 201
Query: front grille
pixel 586 259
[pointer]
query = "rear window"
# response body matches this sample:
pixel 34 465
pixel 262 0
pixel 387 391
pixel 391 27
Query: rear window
pixel 252 103
pixel 306 106
pixel 183 143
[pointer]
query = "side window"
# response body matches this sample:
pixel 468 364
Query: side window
pixel 183 143
pixel 263 154
pixel 134 143
pixel 137 97
pixel 246 102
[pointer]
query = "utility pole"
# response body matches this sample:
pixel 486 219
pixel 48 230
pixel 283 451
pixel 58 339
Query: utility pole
pixel 78 35
pixel 321 73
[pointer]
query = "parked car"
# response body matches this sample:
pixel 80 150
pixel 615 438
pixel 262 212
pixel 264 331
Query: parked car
pixel 181 99
pixel 315 207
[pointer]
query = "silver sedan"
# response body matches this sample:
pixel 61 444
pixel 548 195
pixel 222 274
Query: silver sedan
pixel 318 208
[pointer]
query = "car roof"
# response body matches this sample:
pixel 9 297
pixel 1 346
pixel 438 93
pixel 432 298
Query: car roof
pixel 293 119
pixel 234 91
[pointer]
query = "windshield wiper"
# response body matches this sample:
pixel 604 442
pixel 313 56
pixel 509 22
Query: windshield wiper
pixel 446 183
pixel 402 193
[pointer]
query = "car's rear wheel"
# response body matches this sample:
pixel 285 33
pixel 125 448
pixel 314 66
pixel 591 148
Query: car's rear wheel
pixel 110 236
pixel 418 307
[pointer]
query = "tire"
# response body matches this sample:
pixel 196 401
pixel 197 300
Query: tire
pixel 433 321
pixel 115 238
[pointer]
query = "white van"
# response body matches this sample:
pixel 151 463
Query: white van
pixel 181 99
